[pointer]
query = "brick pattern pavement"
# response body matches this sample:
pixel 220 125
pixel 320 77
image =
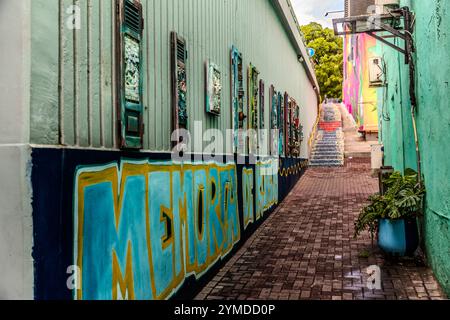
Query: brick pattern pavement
pixel 306 250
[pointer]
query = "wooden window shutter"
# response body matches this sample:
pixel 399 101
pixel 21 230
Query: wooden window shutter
pixel 281 123
pixel 273 96
pixel 179 83
pixel 287 128
pixel 130 74
pixel 262 101
pixel 253 108
pixel 237 99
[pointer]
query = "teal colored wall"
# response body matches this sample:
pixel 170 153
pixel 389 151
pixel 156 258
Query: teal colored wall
pixel 81 63
pixel 433 119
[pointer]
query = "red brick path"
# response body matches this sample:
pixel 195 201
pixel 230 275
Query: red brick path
pixel 306 250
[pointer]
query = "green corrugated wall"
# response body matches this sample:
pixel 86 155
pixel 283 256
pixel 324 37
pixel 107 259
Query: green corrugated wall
pixel 75 98
pixel 432 40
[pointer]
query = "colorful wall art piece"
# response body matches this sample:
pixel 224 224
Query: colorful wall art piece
pixel 213 89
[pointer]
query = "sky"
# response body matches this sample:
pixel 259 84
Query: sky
pixel 314 10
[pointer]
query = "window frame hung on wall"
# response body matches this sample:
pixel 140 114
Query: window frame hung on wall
pixel 238 116
pixel 287 129
pixel 213 89
pixel 253 108
pixel 296 128
pixel 262 121
pixel 129 74
pixel 274 140
pixel 281 122
pixel 179 108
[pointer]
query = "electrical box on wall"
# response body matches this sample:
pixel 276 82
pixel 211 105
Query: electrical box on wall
pixel 376 72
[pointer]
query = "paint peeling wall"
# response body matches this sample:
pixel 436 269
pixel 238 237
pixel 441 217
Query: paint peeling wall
pixel 432 40
pixel 72 82
pixel 360 99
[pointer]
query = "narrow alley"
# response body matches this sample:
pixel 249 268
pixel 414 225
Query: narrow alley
pixel 306 248
pixel 184 150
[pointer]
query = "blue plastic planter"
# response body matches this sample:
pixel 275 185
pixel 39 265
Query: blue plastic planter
pixel 398 237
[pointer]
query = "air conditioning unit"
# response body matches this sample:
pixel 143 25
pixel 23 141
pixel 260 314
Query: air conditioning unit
pixel 376 72
pixel 356 8
pixel 386 5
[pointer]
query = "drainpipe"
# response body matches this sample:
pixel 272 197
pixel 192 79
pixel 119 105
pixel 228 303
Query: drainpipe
pixel 412 93
pixel 412 89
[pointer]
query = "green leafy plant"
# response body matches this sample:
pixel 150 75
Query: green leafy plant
pixel 328 60
pixel 402 200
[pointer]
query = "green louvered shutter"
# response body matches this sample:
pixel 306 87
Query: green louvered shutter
pixel 178 61
pixel 130 75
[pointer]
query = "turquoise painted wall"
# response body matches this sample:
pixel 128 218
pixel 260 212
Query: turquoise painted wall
pixel 81 64
pixel 433 119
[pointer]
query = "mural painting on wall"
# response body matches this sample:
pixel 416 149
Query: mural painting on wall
pixel 273 96
pixel 237 101
pixel 142 228
pixel 247 196
pixel 266 177
pixel 253 112
pixel 359 96
pixel 259 186
pixel 213 89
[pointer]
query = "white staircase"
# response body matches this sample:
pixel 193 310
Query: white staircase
pixel 328 149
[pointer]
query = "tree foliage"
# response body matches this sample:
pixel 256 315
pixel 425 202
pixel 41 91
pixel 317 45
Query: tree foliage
pixel 328 60
pixel 402 200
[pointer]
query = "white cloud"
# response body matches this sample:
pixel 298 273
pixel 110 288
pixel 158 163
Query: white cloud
pixel 314 10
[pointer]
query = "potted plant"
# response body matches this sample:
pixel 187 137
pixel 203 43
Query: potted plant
pixel 393 215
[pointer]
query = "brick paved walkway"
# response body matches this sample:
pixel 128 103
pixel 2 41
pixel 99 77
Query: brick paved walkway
pixel 306 249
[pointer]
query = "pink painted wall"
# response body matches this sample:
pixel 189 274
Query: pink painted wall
pixel 359 98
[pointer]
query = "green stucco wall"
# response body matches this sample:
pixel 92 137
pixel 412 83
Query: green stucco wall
pixel 433 119
pixel 83 108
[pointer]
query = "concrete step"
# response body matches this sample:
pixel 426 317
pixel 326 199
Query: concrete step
pixel 327 161
pixel 314 163
pixel 328 142
pixel 326 152
pixel 328 157
pixel 328 145
pixel 328 139
pixel 329 151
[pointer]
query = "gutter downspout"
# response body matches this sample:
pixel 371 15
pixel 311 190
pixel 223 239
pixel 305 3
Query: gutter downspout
pixel 412 90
